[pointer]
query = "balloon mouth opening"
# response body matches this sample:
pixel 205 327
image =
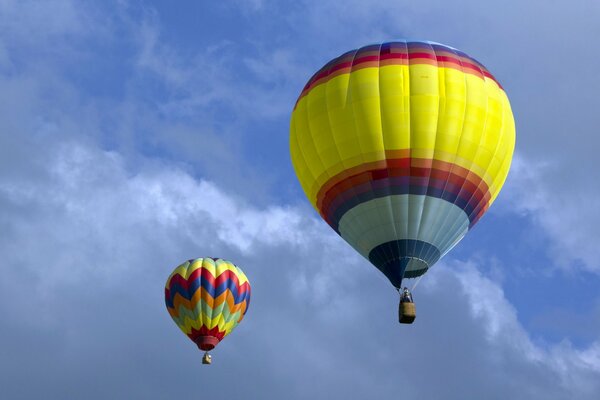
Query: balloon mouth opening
pixel 207 343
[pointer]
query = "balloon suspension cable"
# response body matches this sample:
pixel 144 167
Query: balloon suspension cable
pixel 416 283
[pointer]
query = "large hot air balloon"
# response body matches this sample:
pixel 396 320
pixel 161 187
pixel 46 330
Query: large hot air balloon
pixel 207 298
pixel 401 147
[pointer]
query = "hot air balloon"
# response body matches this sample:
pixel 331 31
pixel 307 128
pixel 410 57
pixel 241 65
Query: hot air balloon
pixel 207 298
pixel 401 147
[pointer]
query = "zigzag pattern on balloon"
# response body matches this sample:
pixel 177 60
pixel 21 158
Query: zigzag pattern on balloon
pixel 211 310
pixel 201 277
pixel 207 297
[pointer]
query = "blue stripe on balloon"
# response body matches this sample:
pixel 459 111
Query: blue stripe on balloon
pixel 398 188
pixel 195 285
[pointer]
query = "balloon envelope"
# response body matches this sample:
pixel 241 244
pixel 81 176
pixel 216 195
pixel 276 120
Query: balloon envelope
pixel 207 298
pixel 401 147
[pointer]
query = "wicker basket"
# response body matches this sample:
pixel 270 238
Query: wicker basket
pixel 407 313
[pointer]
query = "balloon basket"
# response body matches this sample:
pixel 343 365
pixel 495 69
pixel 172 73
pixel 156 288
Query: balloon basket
pixel 207 359
pixel 407 313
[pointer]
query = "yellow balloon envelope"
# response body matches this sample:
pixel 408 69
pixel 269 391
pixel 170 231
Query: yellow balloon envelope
pixel 401 147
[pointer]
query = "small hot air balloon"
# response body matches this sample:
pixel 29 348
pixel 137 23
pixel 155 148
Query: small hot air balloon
pixel 207 298
pixel 401 147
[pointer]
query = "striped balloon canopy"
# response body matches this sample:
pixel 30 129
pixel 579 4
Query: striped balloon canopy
pixel 401 147
pixel 207 298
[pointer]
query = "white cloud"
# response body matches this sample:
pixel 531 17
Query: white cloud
pixel 511 347
pixel 215 75
pixel 92 194
pixel 250 5
pixel 564 205
pixel 50 18
pixel 93 217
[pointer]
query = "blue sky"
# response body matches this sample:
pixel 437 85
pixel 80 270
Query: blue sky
pixel 135 135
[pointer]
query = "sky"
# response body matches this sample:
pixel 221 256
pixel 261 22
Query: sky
pixel 135 135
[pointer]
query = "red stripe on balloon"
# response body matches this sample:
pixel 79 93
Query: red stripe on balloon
pixel 416 53
pixel 425 173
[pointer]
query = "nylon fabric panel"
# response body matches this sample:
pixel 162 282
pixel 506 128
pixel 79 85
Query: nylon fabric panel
pixel 452 105
pixel 394 91
pixel 395 106
pixel 424 112
pixel 503 155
